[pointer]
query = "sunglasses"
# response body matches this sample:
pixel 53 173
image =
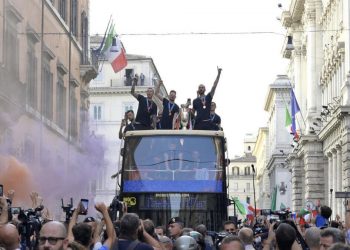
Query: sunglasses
pixel 51 240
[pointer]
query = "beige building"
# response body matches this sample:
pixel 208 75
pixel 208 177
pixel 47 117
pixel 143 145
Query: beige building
pixel 45 68
pixel 319 71
pixel 240 175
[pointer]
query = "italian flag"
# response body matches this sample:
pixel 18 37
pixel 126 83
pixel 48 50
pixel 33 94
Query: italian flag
pixel 114 51
pixel 288 121
pixel 289 125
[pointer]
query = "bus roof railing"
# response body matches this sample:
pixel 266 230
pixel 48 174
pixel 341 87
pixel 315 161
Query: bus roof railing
pixel 156 132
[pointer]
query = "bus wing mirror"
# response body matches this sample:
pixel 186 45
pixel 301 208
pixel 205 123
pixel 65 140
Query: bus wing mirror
pixel 228 162
pixel 122 151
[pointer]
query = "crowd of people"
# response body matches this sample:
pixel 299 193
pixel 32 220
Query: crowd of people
pixel 17 231
pixel 202 115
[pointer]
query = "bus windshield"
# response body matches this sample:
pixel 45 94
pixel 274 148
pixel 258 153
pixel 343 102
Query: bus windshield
pixel 167 163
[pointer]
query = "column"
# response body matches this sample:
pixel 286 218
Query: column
pixel 314 56
pixel 334 182
pixel 297 181
pixel 314 169
pixel 339 181
pixel 329 182
pixel 345 88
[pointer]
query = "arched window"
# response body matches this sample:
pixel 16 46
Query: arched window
pixel 247 171
pixel 249 148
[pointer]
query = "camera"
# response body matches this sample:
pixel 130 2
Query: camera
pixel 115 207
pixel 1 190
pixel 15 210
pixel 219 237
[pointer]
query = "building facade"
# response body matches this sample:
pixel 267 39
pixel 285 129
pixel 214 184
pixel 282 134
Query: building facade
pixel 319 71
pixel 110 98
pixel 240 175
pixel 279 141
pixel 45 68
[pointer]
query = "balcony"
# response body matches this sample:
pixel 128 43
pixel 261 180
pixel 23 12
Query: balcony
pixel 89 70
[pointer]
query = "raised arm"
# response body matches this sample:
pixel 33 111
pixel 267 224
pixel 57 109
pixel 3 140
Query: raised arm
pixel 157 94
pixel 212 91
pixel 101 207
pixel 134 82
pixel 72 223
pixel 4 210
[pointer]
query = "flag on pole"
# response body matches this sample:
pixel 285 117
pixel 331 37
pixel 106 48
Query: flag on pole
pixel 114 51
pixel 240 207
pixel 294 109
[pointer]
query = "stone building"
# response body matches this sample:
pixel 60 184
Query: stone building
pixel 319 54
pixel 45 68
pixel 240 174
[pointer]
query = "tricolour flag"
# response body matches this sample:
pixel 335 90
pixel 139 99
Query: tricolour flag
pixel 114 51
pixel 294 109
pixel 288 121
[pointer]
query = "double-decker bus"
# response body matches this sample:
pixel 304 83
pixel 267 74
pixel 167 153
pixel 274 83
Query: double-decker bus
pixel 167 173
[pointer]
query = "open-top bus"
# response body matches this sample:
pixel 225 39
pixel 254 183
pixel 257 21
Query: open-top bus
pixel 167 173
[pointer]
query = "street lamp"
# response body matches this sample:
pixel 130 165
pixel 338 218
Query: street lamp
pixel 254 190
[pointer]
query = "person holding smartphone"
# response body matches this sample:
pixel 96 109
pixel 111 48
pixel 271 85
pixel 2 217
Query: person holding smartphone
pixel 129 116
pixel 83 233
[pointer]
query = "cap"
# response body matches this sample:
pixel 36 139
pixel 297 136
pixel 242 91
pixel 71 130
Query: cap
pixel 175 220
pixel 89 219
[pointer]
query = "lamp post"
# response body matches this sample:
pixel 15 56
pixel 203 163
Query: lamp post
pixel 254 190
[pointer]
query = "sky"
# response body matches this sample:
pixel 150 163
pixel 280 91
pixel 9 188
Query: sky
pixel 249 53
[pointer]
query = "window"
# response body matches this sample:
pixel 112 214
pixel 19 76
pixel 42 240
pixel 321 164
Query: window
pixel 47 89
pixel 97 112
pixel 249 148
pixel 62 9
pixel 247 171
pixel 61 101
pixel 74 17
pixel 29 150
pixel 32 65
pixel 235 170
pixel 11 48
pixel 73 112
pixel 84 38
pixel 129 74
pixel 248 200
pixel 248 187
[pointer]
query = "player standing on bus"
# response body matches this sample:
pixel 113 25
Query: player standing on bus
pixel 147 109
pixel 202 105
pixel 170 108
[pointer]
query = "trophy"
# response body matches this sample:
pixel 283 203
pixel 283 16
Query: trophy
pixel 185 115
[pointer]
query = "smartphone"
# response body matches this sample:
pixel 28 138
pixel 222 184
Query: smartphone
pixel 84 206
pixel 1 190
pixel 15 210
